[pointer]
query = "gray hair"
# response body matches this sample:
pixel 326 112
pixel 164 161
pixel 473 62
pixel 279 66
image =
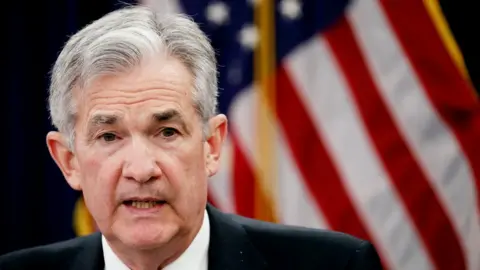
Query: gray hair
pixel 120 41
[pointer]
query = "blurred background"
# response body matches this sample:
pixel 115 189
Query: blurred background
pixel 359 116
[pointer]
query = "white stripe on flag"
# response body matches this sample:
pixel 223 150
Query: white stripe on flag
pixel 295 204
pixel 430 140
pixel 325 94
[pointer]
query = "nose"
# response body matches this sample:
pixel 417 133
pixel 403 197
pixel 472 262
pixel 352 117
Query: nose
pixel 140 164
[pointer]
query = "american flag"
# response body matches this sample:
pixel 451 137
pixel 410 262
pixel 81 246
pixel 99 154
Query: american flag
pixel 355 116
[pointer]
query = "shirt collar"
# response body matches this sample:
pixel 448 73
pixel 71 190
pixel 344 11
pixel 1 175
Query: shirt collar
pixel 195 256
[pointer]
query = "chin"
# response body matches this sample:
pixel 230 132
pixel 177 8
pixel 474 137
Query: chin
pixel 147 236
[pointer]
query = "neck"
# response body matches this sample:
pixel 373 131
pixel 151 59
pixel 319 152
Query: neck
pixel 156 258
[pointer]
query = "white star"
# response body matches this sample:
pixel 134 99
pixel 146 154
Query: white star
pixel 248 36
pixel 217 13
pixel 291 9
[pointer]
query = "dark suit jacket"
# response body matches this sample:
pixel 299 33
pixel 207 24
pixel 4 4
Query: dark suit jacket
pixel 236 243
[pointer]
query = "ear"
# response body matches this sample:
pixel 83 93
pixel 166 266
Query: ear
pixel 214 143
pixel 64 157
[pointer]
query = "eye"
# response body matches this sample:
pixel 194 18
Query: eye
pixel 108 137
pixel 168 132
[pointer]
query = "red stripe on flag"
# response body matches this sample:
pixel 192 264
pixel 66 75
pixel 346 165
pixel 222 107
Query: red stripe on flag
pixel 412 185
pixel 243 181
pixel 448 91
pixel 313 161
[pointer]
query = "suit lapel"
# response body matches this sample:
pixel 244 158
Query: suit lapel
pixel 91 255
pixel 230 247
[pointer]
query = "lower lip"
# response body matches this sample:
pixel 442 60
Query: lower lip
pixel 153 209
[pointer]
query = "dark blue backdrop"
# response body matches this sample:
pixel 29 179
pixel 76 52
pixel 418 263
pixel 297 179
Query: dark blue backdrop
pixel 36 203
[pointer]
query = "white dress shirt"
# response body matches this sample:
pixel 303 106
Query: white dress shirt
pixel 194 258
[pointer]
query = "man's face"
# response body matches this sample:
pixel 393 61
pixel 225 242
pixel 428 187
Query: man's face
pixel 140 157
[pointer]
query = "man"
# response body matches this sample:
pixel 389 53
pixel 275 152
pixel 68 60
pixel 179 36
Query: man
pixel 133 96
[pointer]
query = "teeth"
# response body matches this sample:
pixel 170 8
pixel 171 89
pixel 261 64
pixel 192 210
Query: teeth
pixel 138 204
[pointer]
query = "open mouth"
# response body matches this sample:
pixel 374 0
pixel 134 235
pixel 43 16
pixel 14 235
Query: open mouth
pixel 144 204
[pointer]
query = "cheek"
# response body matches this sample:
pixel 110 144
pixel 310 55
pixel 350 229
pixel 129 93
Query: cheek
pixel 100 176
pixel 192 165
pixel 184 167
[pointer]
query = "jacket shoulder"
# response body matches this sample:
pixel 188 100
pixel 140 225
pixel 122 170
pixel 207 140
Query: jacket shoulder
pixel 295 247
pixel 58 255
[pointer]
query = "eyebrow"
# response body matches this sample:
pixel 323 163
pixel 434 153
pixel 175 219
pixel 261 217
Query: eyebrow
pixel 171 115
pixel 100 120
pixel 103 119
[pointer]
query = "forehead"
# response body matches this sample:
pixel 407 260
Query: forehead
pixel 161 84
